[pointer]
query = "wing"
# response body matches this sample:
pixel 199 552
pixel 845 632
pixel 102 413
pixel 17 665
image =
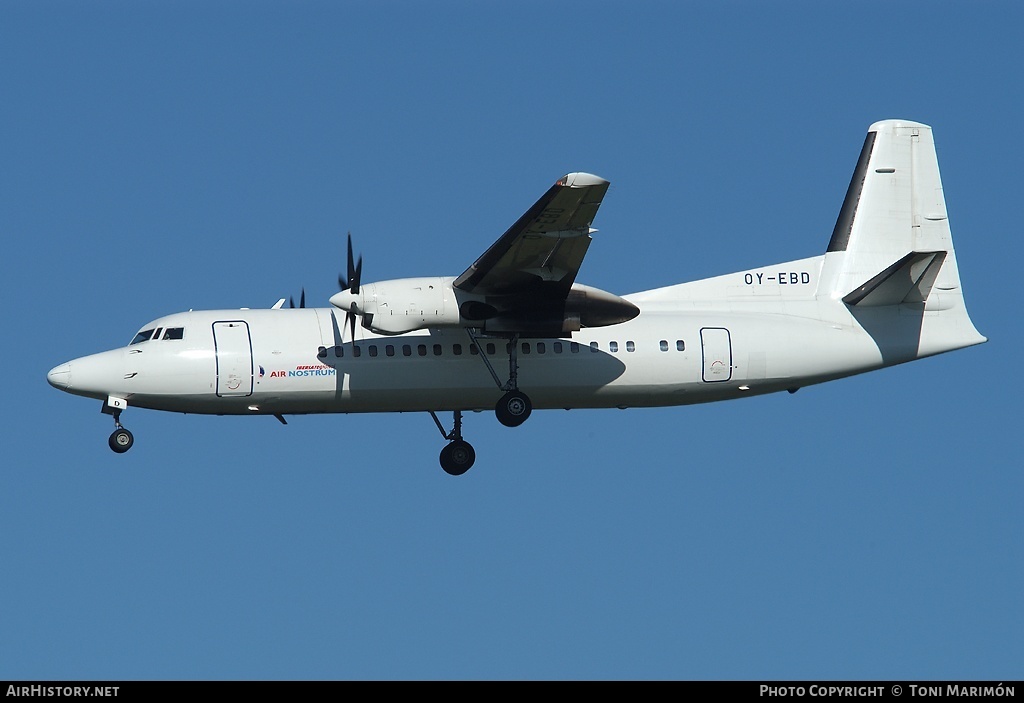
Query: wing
pixel 541 253
pixel 525 283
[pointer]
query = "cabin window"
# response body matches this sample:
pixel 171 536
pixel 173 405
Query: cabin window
pixel 357 351
pixel 389 349
pixel 526 347
pixel 541 348
pixel 373 350
pixel 663 344
pixel 679 345
pixel 630 346
pixel 421 349
pixel 437 350
pixel 142 336
pixel 556 347
pixel 473 349
pixel 406 350
pixel 339 351
pixel 593 347
pixel 490 348
pixel 174 333
pixel 574 347
pixel 613 346
pixel 321 353
pixel 457 349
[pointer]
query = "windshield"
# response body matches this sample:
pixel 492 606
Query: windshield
pixel 142 336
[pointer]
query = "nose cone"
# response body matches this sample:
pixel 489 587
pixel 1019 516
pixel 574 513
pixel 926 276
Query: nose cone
pixel 95 376
pixel 60 377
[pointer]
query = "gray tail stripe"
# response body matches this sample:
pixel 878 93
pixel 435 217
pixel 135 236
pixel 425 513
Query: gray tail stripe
pixel 844 225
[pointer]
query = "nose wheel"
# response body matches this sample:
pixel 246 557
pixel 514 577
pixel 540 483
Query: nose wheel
pixel 121 440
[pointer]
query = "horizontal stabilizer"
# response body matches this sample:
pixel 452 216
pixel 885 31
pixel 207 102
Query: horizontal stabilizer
pixel 909 280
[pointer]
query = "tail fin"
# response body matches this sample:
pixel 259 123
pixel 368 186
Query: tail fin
pixel 892 245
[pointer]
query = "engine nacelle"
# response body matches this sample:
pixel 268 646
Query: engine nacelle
pixel 598 308
pixel 584 306
pixel 406 304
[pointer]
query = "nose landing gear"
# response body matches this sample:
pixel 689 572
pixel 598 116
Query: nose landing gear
pixel 121 440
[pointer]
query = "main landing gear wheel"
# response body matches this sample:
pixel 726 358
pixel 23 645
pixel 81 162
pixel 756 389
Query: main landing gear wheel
pixel 513 408
pixel 121 440
pixel 457 457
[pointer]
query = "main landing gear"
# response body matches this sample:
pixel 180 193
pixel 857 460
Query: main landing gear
pixel 513 408
pixel 121 440
pixel 458 455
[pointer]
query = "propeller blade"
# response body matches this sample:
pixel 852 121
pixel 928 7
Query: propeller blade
pixel 291 302
pixel 358 275
pixel 302 299
pixel 351 264
pixel 351 319
pixel 355 270
pixel 350 281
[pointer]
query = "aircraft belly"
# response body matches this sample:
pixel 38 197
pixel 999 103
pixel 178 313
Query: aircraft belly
pixel 420 384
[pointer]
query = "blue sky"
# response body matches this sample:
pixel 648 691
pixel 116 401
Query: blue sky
pixel 158 157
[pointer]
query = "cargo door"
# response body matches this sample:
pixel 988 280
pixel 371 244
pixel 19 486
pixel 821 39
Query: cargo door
pixel 717 349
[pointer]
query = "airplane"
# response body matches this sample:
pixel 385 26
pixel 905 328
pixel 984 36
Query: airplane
pixel 516 332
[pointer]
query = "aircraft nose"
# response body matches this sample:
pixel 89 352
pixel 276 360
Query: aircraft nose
pixel 60 376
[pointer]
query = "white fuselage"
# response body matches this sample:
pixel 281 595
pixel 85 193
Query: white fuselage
pixel 747 338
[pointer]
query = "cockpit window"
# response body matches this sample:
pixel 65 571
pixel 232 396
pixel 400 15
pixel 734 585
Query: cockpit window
pixel 174 333
pixel 142 336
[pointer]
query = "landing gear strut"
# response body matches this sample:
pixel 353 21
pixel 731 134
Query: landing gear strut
pixel 121 440
pixel 514 407
pixel 458 455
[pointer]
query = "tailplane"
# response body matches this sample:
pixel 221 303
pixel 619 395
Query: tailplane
pixel 909 280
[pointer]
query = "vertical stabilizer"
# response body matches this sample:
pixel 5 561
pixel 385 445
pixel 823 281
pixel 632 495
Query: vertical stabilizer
pixel 892 244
